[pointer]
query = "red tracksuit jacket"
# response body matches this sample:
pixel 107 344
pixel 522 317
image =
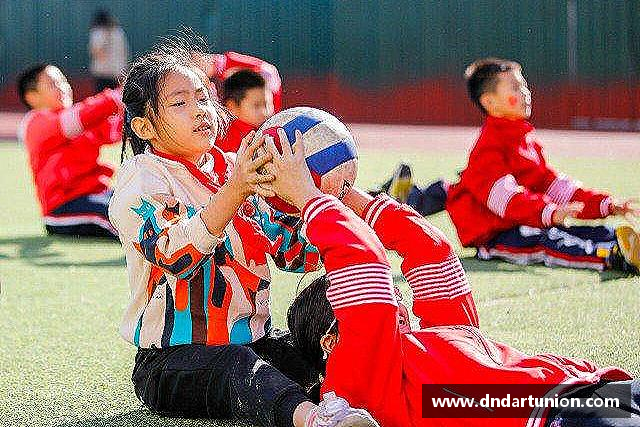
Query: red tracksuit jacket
pixel 507 183
pixel 225 64
pixel 373 364
pixel 233 137
pixel 64 147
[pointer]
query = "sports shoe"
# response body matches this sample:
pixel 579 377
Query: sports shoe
pixel 629 245
pixel 334 411
pixel 401 183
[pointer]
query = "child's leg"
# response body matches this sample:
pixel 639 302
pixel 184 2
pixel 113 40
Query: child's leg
pixel 84 216
pixel 574 247
pixel 626 414
pixel 428 200
pixel 215 382
pixel 441 292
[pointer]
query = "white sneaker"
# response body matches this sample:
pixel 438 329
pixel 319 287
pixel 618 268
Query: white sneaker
pixel 334 411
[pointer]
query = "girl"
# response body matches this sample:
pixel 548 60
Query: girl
pixel 196 240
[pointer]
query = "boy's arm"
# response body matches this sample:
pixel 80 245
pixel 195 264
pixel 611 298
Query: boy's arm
pixel 291 251
pixel 490 181
pixel 441 291
pixel 110 130
pixel 53 129
pixel 562 189
pixel 365 366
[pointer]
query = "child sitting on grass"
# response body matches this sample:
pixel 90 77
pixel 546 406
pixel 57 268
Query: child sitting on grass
pixel 196 239
pixel 509 204
pixel 349 324
pixel 63 141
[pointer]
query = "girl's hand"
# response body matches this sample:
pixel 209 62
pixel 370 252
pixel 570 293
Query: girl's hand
pixel 245 179
pixel 293 180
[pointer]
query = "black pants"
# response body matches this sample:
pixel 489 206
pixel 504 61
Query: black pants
pixel 256 381
pixel 627 415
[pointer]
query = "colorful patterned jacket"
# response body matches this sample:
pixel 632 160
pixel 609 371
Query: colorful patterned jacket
pixel 188 286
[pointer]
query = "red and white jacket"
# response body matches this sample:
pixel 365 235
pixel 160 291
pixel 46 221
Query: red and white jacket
pixel 508 183
pixel 377 367
pixel 64 147
pixel 225 64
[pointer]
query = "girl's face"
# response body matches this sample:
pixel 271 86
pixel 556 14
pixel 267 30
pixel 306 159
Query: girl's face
pixel 187 124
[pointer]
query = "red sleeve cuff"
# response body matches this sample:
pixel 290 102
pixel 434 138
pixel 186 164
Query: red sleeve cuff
pixel 372 211
pixel 316 205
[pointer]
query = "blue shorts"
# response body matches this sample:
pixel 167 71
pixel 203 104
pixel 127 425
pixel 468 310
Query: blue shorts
pixel 84 216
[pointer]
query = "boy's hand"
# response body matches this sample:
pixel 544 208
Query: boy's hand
pixel 625 207
pixel 245 179
pixel 293 180
pixel 570 210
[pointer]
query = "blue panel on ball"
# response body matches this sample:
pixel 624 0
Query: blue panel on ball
pixel 301 123
pixel 325 160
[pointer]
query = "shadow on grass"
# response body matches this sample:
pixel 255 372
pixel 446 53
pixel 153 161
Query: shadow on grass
pixel 471 263
pixel 143 417
pixel 37 250
pixel 606 276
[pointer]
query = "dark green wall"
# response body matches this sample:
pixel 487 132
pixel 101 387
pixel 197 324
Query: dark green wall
pixel 364 43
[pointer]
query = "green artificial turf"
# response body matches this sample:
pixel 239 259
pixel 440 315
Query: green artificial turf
pixel 62 361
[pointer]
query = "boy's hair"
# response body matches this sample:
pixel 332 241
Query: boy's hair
pixel 308 318
pixel 482 77
pixel 235 87
pixel 143 83
pixel 28 80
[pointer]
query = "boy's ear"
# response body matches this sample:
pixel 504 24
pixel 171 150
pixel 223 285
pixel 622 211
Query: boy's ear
pixel 232 106
pixel 487 101
pixel 31 96
pixel 327 342
pixel 143 128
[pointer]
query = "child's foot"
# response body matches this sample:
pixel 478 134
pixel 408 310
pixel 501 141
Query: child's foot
pixel 334 411
pixel 401 183
pixel 629 245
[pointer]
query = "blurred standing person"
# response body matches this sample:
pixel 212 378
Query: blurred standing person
pixel 109 50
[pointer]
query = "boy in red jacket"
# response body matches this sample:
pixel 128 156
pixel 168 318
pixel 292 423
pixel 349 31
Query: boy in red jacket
pixel 370 360
pixel 511 205
pixel 63 141
pixel 241 93
pixel 351 316
pixel 246 96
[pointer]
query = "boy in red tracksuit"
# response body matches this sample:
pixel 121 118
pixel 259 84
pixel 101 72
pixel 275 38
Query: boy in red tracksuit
pixel 375 365
pixel 246 96
pixel 223 65
pixel 511 205
pixel 63 141
pixel 221 69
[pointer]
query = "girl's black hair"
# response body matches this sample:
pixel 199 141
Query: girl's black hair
pixel 308 319
pixel 143 83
